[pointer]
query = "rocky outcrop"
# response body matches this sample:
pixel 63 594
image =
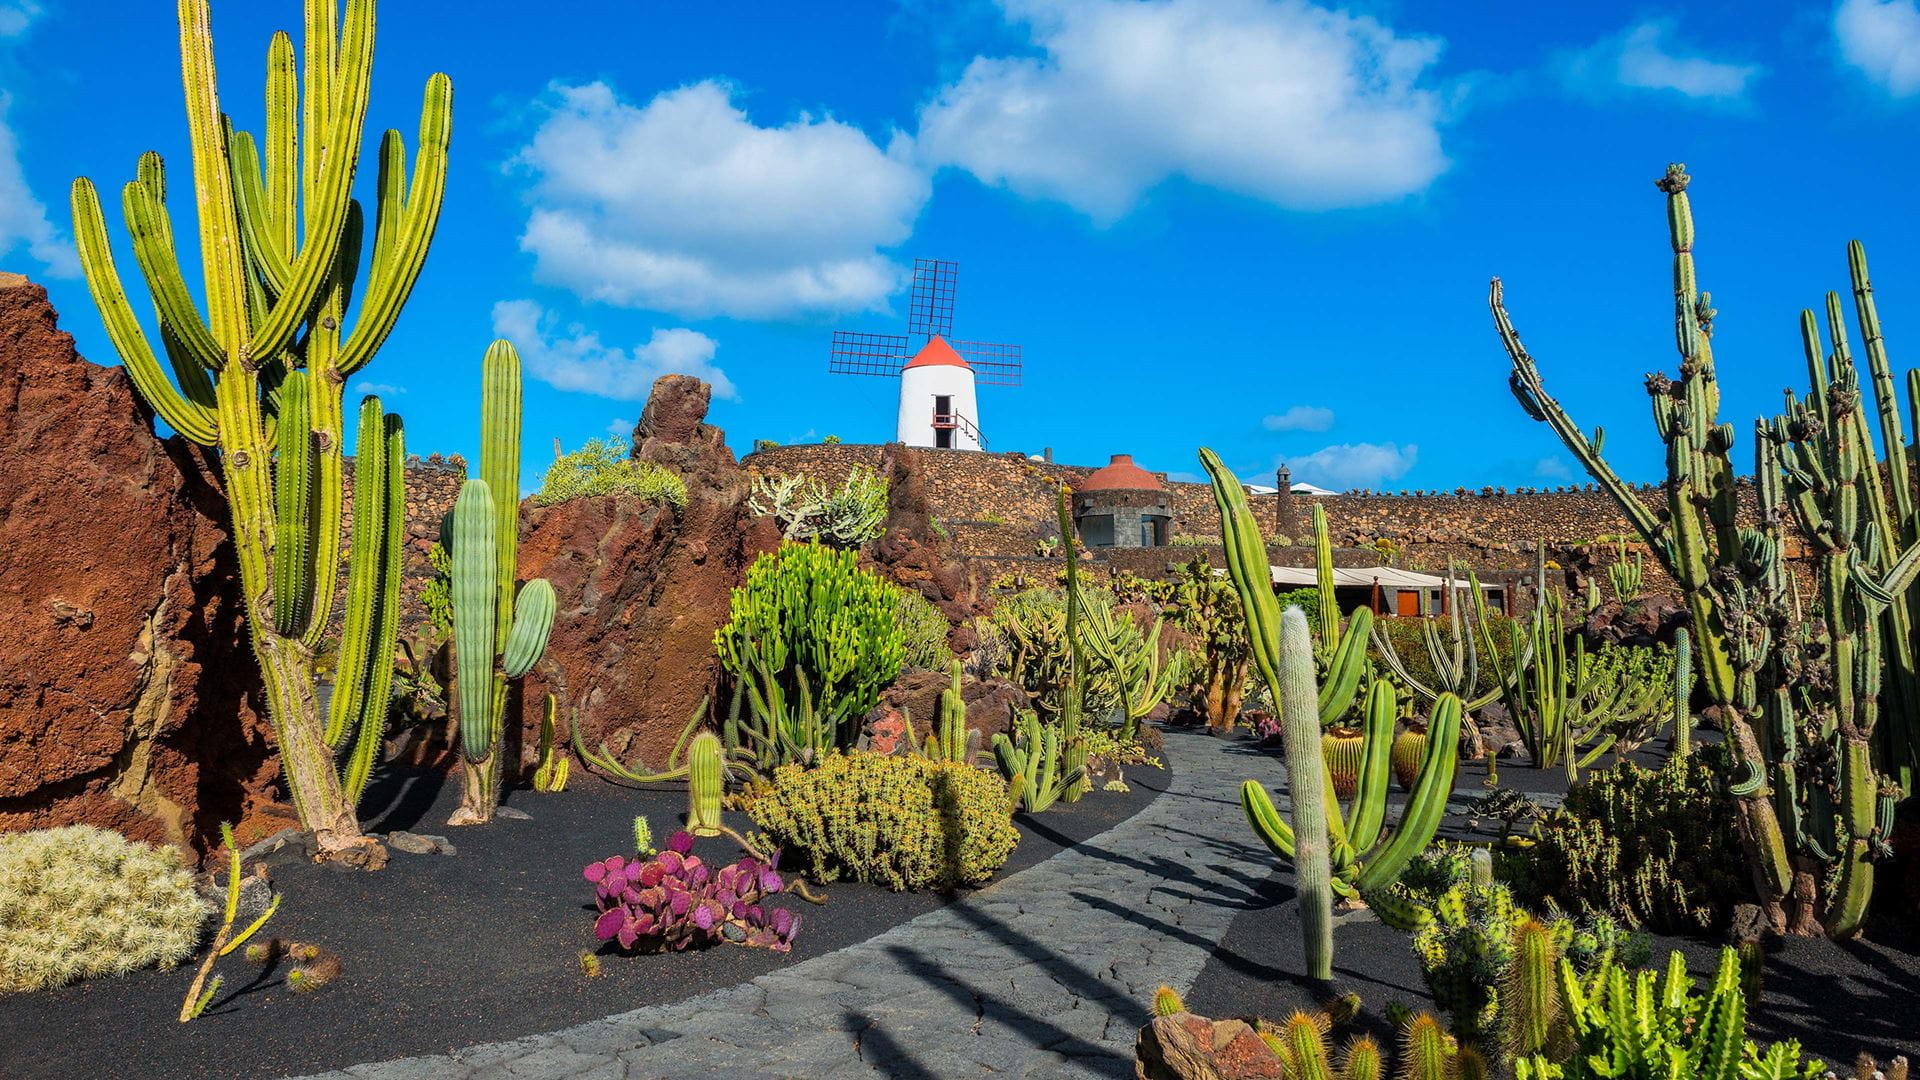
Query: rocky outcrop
pixel 643 587
pixel 915 554
pixel 991 703
pixel 1188 1047
pixel 128 692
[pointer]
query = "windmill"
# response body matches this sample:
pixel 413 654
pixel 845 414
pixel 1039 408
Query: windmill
pixel 937 375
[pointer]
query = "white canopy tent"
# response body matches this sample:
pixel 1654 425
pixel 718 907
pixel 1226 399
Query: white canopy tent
pixel 1428 588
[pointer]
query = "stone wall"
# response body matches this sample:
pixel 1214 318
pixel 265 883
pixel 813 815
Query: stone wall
pixel 996 506
pixel 433 483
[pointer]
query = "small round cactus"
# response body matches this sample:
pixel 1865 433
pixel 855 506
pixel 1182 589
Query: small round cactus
pixel 79 902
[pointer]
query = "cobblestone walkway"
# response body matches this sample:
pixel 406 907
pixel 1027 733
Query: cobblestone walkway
pixel 1047 973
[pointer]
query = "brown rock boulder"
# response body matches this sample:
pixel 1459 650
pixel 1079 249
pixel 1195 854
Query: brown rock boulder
pixel 912 554
pixel 1188 1047
pixel 128 698
pixel 990 702
pixel 642 588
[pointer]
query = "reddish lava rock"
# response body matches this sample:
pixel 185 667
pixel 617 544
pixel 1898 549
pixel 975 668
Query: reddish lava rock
pixel 1188 1047
pixel 642 587
pixel 128 699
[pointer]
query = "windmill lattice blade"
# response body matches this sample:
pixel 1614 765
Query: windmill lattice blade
pixel 935 281
pixel 857 353
pixel 993 363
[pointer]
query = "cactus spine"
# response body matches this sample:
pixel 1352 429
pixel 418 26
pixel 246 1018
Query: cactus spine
pixel 706 782
pixel 264 368
pixel 1815 470
pixel 496 636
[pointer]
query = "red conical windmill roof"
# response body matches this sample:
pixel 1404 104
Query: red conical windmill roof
pixel 1121 474
pixel 937 353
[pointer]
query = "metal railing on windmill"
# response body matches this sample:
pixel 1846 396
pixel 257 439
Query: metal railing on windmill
pixel 938 374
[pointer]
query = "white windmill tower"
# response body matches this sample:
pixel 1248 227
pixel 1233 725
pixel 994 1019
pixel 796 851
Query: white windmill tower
pixel 938 405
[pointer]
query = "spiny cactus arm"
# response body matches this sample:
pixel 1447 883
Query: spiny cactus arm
pixel 1369 814
pixel 256 215
pixel 1307 777
pixel 1384 645
pixel 532 622
pixel 144 203
pixel 1426 806
pixel 1328 609
pixel 385 631
pixel 1892 437
pixel 220 242
pixel 1425 1050
pixel 1248 568
pixel 1262 816
pixel 367 561
pixel 346 83
pixel 474 597
pixel 190 413
pixel 295 526
pixel 1346 662
pixel 404 230
pixel 500 468
pixel 1529 389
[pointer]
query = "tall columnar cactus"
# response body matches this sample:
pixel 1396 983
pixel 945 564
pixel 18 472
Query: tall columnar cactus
pixel 706 783
pixel 1314 807
pixel 1361 855
pixel 1340 652
pixel 1682 692
pixel 1073 752
pixel 952 740
pixel 263 370
pixel 1812 798
pixel 497 637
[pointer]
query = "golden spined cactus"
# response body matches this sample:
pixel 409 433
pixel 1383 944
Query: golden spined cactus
pixel 259 375
pixel 79 902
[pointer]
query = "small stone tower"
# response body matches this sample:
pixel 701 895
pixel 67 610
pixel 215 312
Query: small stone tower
pixel 1123 506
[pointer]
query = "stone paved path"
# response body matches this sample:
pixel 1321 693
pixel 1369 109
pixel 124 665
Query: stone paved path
pixel 1047 973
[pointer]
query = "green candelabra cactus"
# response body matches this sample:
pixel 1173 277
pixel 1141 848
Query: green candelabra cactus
pixel 1454 652
pixel 1626 575
pixel 1035 764
pixel 260 375
pixel 1820 767
pixel 497 637
pixel 1340 653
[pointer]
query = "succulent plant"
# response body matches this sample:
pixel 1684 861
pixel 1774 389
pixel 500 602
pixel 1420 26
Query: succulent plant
pixel 79 902
pixel 896 820
pixel 675 901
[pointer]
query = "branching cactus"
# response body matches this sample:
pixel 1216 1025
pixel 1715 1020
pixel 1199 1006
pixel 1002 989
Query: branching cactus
pixel 952 740
pixel 497 636
pixel 1035 764
pixel 1454 652
pixel 1808 830
pixel 1361 855
pixel 1340 653
pixel 259 375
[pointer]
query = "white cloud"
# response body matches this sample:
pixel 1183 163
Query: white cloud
pixel 574 358
pixel 23 218
pixel 16 16
pixel 1353 465
pixel 1281 100
pixel 685 205
pixel 1882 39
pixel 1552 468
pixel 619 427
pixel 388 389
pixel 1645 57
pixel 1300 418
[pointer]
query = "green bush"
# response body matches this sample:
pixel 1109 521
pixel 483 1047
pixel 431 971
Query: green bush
pixel 900 821
pixel 1307 600
pixel 807 614
pixel 601 467
pixel 923 632
pixel 1650 847
pixel 80 902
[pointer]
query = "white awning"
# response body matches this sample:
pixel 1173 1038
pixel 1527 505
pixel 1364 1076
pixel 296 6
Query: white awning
pixel 1364 577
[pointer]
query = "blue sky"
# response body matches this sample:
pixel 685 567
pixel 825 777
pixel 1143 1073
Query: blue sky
pixel 1261 226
